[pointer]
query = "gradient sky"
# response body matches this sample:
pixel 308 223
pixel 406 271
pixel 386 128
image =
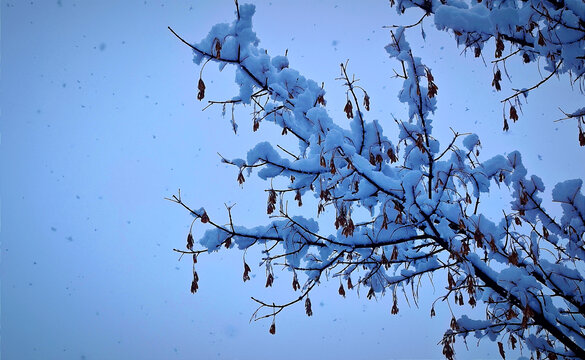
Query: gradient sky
pixel 100 122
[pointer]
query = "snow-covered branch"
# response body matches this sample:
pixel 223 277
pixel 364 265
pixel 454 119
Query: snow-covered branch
pixel 425 215
pixel 551 31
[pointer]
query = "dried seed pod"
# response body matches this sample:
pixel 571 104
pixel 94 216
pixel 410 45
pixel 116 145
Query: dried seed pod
pixel 379 159
pixel 194 283
pixel 272 328
pixel 348 109
pixel 366 101
pixel 204 217
pixel 523 198
pixel 298 198
pixel 541 41
pixel 385 222
pixel 190 242
pixel 308 309
pixel 394 310
pixel 450 280
pixel 271 202
pixel 465 248
pixel 332 166
pixel 371 293
pixel 453 325
pixel 478 237
pixel 384 261
pixel 241 178
pixel 511 314
pixel 217 48
pixel 513 114
pixel 398 219
pixel 324 195
pixel 201 88
pixel 269 280
pixel 448 349
pixel 461 303
pixel 461 225
pixel 341 290
pixel 526 315
pixel 513 257
pixel 432 87
pixel 350 165
pixel 340 219
pixel 394 255
pixel 420 143
pixel 497 79
pixel 247 270
pixel 349 284
pixel 502 352
pixel 429 74
pixel 349 228
pixel 499 47
pixel 392 155
pixel 295 283
pixel 477 52
pixel 512 341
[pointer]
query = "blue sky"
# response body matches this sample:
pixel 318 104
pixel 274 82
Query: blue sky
pixel 100 122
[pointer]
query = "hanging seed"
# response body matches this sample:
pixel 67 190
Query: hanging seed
pixel 201 88
pixel 190 242
pixel 348 109
pixel 477 52
pixel 499 47
pixel 247 270
pixel 513 114
pixel 298 198
pixel 541 41
pixel 217 48
pixel 295 283
pixel 204 217
pixel 502 352
pixel 349 284
pixel 241 178
pixel 272 328
pixel 496 80
pixel 367 102
pixel 269 280
pixel 308 309
pixel 341 290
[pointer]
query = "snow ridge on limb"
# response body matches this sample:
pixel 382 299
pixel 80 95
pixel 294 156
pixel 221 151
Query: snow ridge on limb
pixel 424 201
